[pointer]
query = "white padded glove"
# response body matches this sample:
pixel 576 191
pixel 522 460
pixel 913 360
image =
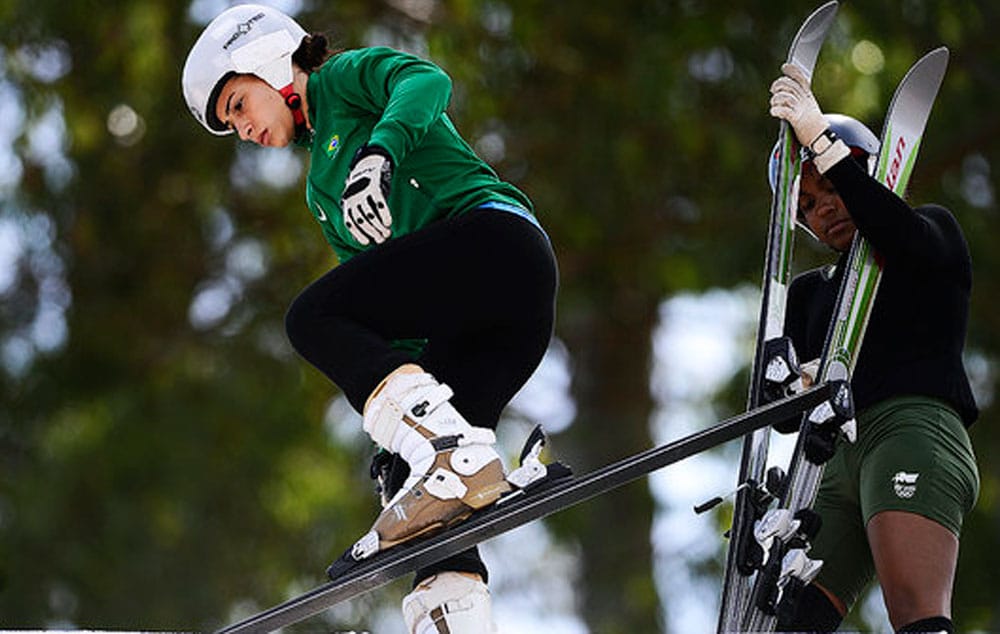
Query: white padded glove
pixel 365 201
pixel 792 100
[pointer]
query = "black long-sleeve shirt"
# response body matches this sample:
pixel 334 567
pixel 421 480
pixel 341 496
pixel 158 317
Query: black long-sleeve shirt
pixel 914 341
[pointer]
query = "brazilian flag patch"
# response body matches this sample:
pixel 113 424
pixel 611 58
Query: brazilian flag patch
pixel 333 145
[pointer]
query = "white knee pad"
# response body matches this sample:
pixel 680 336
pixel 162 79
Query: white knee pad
pixel 449 603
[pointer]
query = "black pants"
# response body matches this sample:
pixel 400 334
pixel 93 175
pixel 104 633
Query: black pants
pixel 479 288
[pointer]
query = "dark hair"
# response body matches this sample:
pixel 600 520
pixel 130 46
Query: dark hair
pixel 312 52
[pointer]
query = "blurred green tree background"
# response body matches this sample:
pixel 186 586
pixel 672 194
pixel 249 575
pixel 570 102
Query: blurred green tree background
pixel 167 462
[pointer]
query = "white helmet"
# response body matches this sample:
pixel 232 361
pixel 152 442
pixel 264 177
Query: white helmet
pixel 247 38
pixel 862 142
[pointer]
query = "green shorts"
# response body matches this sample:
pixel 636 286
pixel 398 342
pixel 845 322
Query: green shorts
pixel 912 454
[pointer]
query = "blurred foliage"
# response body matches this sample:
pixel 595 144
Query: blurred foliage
pixel 167 466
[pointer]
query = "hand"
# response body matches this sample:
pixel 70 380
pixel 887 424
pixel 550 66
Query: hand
pixel 809 371
pixel 793 101
pixel 365 201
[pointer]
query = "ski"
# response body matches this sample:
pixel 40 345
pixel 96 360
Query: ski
pixel 770 351
pixel 520 508
pixel 787 530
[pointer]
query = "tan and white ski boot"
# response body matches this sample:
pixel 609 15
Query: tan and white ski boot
pixel 454 467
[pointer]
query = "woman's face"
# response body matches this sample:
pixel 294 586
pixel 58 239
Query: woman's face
pixel 256 111
pixel 824 211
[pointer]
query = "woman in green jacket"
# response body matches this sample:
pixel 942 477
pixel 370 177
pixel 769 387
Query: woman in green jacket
pixel 443 302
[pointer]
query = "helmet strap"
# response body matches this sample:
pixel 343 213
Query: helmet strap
pixel 294 102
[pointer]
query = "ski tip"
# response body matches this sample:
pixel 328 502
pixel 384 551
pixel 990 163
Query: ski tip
pixel 825 13
pixel 942 54
pixel 936 59
pixel 806 44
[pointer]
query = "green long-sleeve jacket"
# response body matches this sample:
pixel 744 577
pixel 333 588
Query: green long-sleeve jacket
pixel 396 101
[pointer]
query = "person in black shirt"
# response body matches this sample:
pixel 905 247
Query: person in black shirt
pixel 892 503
